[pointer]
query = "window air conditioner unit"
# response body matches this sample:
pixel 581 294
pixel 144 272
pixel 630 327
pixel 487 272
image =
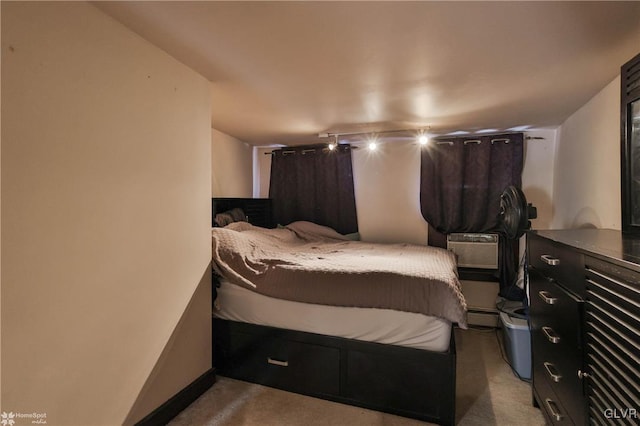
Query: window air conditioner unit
pixel 474 250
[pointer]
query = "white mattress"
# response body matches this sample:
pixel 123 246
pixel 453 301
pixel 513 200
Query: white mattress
pixel 386 326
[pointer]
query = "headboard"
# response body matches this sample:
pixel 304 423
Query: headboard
pixel 257 210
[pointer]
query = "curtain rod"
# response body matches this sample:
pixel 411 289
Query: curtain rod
pixel 304 151
pixel 374 132
pixel 419 130
pixel 441 139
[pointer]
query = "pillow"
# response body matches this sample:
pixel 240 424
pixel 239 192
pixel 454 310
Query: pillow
pixel 313 231
pixel 230 216
pixel 238 215
pixel 240 226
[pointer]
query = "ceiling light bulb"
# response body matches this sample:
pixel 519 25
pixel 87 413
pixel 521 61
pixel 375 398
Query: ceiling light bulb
pixel 423 139
pixel 332 146
pixel 373 146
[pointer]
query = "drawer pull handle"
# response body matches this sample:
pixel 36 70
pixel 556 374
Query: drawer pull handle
pixel 550 260
pixel 550 371
pixel 548 299
pixel 553 409
pixel 277 362
pixel 583 374
pixel 551 335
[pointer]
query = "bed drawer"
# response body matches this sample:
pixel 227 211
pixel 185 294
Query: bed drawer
pixel 379 378
pixel 281 363
pixel 394 379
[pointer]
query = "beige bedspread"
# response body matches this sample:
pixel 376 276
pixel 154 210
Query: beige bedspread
pixel 310 263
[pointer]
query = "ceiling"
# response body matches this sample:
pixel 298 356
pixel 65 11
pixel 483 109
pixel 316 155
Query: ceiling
pixel 283 72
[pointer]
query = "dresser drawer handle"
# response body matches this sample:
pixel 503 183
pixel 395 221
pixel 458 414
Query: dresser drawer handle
pixel 553 409
pixel 278 362
pixel 551 335
pixel 548 299
pixel 550 371
pixel 550 260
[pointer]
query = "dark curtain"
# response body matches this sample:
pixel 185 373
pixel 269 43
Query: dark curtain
pixel 461 183
pixel 315 184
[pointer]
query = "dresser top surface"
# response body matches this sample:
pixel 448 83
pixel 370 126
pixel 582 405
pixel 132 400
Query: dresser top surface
pixel 607 243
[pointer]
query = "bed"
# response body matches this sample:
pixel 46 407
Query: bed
pixel 364 348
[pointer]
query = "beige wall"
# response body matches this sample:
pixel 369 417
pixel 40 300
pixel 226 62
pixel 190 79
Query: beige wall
pixel 587 167
pixel 105 214
pixel 387 187
pixel 231 165
pixel 537 175
pixel 183 358
pixel 261 171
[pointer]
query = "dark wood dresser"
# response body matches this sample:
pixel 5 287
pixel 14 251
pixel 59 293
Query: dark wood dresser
pixel 585 325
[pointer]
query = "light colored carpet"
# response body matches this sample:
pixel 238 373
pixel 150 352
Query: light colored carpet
pixel 487 393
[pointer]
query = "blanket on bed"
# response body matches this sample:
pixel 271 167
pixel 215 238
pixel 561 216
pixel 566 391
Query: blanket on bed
pixel 309 263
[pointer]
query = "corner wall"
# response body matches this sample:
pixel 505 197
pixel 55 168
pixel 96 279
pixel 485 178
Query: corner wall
pixel 105 211
pixel 231 165
pixel 587 167
pixel 537 175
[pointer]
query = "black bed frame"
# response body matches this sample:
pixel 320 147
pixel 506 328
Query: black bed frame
pixel 399 380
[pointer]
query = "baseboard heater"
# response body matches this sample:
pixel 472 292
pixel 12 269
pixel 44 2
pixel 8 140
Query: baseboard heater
pixel 478 252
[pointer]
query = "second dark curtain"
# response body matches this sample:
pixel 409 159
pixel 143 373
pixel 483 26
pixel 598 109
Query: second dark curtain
pixel 314 184
pixel 461 183
pixel 462 180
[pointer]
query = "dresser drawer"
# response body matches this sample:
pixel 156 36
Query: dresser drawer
pixel 555 309
pixel 557 262
pixel 556 341
pixel 559 367
pixel 549 402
